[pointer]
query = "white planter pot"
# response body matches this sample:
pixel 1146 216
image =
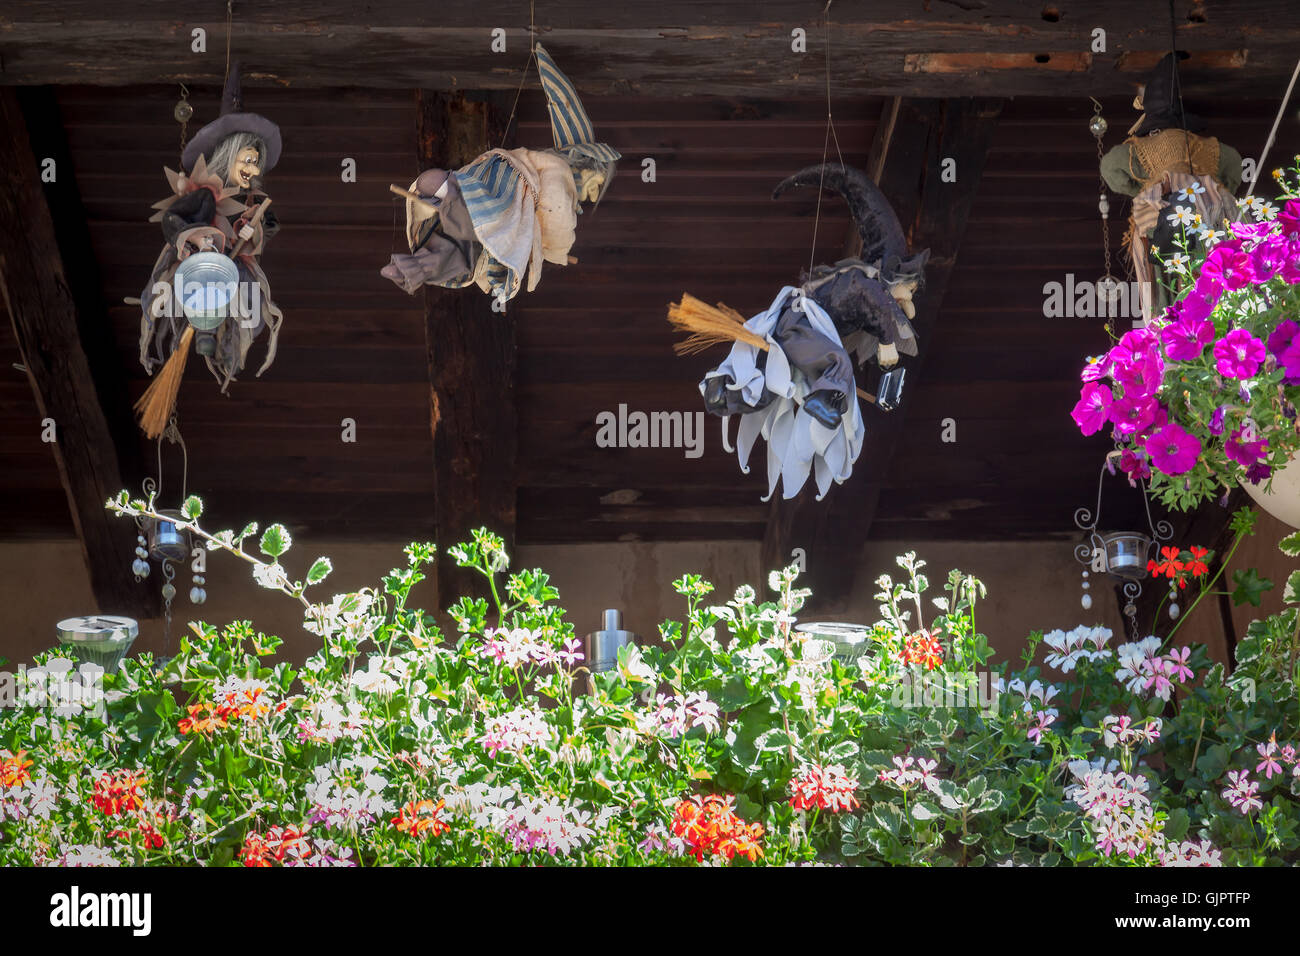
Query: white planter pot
pixel 1284 502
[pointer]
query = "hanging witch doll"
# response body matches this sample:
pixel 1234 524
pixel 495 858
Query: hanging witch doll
pixel 493 222
pixel 208 289
pixel 789 375
pixel 1182 183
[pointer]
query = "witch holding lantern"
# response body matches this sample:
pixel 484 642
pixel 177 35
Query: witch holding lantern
pixel 790 375
pixel 218 211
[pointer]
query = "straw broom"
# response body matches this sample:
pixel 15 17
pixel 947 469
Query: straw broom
pixel 716 325
pixel 154 409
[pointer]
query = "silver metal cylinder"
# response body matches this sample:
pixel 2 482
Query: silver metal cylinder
pixel 102 639
pixel 166 541
pixel 603 645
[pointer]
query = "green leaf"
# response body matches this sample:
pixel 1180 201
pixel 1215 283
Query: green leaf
pixel 991 800
pixel 921 811
pixel 1249 587
pixel 250 529
pixel 275 541
pixel 319 570
pixel 1292 593
pixel 1290 545
pixel 193 507
pixel 1176 825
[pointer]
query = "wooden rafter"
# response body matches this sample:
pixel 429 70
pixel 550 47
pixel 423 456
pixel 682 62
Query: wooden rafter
pixel 727 47
pixel 472 355
pixel 43 308
pixel 913 140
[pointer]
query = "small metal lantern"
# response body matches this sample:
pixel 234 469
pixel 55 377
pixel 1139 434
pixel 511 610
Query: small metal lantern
pixel 166 541
pixel 603 645
pixel 102 639
pixel 1124 555
pixel 890 390
pixel 851 641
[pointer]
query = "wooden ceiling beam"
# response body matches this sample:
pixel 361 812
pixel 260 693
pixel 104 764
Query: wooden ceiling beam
pixel 38 292
pixel 725 47
pixel 912 142
pixel 472 359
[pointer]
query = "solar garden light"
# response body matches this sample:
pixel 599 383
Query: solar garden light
pixel 101 639
pixel 850 641
pixel 603 645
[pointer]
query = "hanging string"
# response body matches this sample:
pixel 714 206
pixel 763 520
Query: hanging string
pixel 532 55
pixel 826 140
pixel 1176 85
pixel 185 111
pixel 230 16
pixel 1272 133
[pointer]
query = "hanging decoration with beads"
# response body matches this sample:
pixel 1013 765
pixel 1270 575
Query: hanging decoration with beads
pixel 161 539
pixel 1123 555
pixel 1108 286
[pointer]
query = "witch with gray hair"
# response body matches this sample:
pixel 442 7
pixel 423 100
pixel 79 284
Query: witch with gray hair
pixel 212 208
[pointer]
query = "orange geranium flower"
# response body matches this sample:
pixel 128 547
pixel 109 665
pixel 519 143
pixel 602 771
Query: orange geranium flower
pixel 1197 566
pixel 1169 565
pixel 923 648
pixel 279 842
pixel 420 819
pixel 119 793
pixel 13 768
pixel 710 827
pixel 196 723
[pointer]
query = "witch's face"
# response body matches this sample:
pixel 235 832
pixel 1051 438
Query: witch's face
pixel 245 168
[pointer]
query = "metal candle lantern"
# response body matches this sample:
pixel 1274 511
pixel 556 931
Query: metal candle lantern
pixel 101 639
pixel 603 645
pixel 166 541
pixel 1123 555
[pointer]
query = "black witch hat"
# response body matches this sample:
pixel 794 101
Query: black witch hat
pixel 1161 101
pixel 233 120
pixel 883 241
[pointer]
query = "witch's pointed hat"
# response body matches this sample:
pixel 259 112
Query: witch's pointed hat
pixel 233 120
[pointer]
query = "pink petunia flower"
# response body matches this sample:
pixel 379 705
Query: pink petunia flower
pixel 1173 450
pixel 1186 339
pixel 1093 409
pixel 1239 354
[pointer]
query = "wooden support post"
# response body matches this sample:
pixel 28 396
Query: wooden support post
pixel 914 138
pixel 43 308
pixel 472 355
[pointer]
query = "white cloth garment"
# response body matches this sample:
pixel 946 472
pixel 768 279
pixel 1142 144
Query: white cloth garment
pixel 796 442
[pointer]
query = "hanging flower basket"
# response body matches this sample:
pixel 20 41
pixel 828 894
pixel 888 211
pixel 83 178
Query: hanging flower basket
pixel 1205 396
pixel 1283 500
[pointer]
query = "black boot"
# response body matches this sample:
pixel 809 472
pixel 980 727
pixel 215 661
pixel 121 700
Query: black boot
pixel 715 394
pixel 824 407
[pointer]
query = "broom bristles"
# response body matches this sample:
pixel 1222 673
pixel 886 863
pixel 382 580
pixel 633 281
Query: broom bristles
pixel 709 325
pixel 154 409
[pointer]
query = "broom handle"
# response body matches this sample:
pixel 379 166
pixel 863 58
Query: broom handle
pixel 252 224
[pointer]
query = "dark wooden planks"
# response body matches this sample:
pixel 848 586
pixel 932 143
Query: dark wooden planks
pixel 472 356
pixel 43 309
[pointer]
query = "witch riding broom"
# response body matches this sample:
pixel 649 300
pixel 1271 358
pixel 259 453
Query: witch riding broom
pixel 198 294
